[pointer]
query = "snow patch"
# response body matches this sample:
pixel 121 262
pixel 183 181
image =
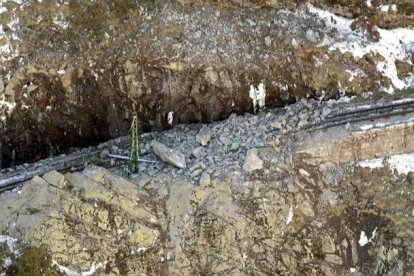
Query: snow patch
pixel 7 51
pixel 356 73
pixel 170 117
pixel 363 239
pixel 95 266
pixel 372 164
pixel 258 95
pixel 402 163
pixel 11 244
pixel 387 8
pixel 394 44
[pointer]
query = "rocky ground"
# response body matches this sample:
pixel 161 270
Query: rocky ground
pixel 288 188
pixel 236 197
pixel 73 73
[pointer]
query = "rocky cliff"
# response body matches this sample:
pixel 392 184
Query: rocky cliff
pixel 72 73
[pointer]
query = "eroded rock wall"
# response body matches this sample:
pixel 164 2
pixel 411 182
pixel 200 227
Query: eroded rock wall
pixel 72 73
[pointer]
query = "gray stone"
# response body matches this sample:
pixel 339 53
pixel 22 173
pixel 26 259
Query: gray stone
pixel 312 36
pixel 326 111
pixel 251 22
pixel 268 41
pixel 226 141
pixel 198 152
pixel 104 154
pixel 204 136
pixel 278 124
pixel 234 146
pixel 169 155
pixel 196 172
pixel 205 180
pixel 253 161
pixel 303 122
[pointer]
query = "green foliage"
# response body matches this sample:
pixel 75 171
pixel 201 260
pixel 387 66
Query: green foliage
pixel 134 150
pixel 31 262
pixel 406 8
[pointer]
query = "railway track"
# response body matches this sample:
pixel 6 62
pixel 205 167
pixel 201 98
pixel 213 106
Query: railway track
pixel 77 161
pixel 365 114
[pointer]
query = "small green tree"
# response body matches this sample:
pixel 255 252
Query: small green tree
pixel 134 150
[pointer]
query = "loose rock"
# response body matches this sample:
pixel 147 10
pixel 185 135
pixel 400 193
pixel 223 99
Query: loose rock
pixel 168 155
pixel 253 161
pixel 204 136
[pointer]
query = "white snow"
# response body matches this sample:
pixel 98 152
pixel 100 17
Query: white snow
pixel 402 163
pixel 170 117
pixel 7 262
pixel 61 21
pixel 258 95
pixel 394 44
pixel 8 105
pixel 7 51
pixel 386 8
pixel 372 164
pixel 95 266
pixel 369 126
pixel 363 239
pixel 356 73
pixel 11 244
pixel 290 215
pixel 353 270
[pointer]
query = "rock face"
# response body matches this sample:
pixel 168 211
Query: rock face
pixel 85 68
pixel 299 214
pixel 68 214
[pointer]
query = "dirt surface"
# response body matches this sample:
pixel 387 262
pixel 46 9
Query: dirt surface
pixel 246 203
pixel 73 73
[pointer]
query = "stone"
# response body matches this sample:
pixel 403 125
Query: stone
pixel 196 172
pixel 205 180
pixel 234 146
pixel 204 136
pixel 104 154
pixel 333 259
pixel 328 245
pixel 303 122
pixel 268 41
pixel 312 36
pixel 251 22
pixel 211 76
pixel 252 161
pixel 278 124
pixel 143 235
pixel 54 178
pixel 224 140
pixel 169 155
pixel 1 86
pixel 198 152
pixel 326 111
